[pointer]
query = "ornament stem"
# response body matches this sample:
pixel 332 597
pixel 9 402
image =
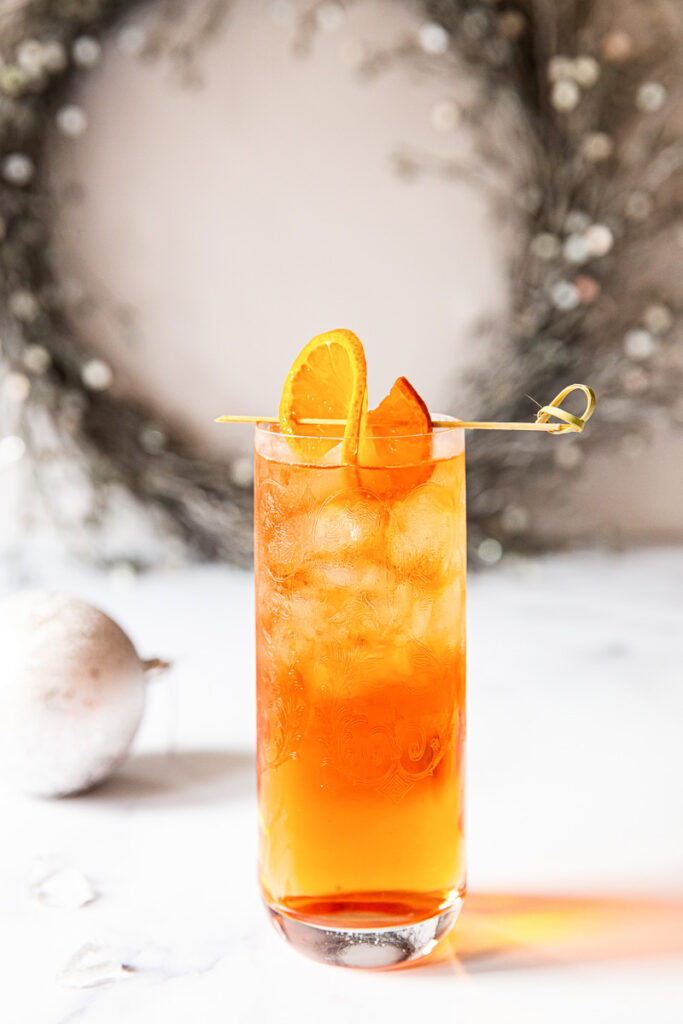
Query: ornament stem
pixel 155 665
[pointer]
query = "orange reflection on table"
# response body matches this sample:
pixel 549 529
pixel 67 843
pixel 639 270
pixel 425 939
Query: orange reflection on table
pixel 500 931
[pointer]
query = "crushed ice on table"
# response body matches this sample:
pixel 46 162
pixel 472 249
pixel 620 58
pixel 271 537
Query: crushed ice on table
pixel 66 888
pixel 93 965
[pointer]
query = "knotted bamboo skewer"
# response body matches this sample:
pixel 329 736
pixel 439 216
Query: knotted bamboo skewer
pixel 569 423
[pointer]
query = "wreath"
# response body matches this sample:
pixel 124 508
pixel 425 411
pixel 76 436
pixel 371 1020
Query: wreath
pixel 595 296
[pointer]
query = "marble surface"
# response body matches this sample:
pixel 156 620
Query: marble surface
pixel 575 818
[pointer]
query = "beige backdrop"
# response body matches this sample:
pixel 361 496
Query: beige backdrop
pixel 219 228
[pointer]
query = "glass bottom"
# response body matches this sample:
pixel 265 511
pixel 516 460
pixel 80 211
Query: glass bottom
pixel 376 947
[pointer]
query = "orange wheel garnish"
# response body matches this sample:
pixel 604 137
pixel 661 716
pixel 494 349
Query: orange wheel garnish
pixel 327 381
pixel 396 433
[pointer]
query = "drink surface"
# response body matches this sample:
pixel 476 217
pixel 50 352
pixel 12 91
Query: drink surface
pixel 360 631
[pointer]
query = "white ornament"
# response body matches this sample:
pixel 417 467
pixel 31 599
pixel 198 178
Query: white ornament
pixel 597 146
pixel 639 344
pixel 568 456
pixel 445 116
pixel 55 57
pixel 599 239
pixel 30 57
pixel 651 97
pixel 86 51
pixel 433 38
pixel 490 551
pixel 281 11
pixel 72 121
pixel 545 246
pixel 132 40
pixel 72 692
pixel 37 359
pixel 97 375
pixel 565 95
pixel 16 387
pixel 576 249
pixel 657 318
pixel 586 71
pixel 329 17
pixel 565 295
pixel 559 67
pixel 242 471
pixel 12 449
pixel 17 168
pixel 576 220
pixel 24 305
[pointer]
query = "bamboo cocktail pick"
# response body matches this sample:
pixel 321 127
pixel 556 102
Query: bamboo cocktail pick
pixel 569 423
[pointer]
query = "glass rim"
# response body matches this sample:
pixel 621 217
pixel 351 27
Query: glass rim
pixel 273 429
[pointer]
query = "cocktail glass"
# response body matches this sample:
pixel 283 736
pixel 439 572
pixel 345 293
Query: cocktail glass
pixel 360 634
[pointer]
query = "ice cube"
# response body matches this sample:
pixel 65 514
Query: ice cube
pixel 383 613
pixel 446 628
pixel 352 576
pixel 333 457
pixel 346 670
pixel 272 600
pixel 349 521
pixel 425 534
pixel 93 965
pixel 285 544
pixel 67 888
pixel 286 639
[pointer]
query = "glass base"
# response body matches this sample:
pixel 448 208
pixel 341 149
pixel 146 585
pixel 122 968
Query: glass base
pixel 365 947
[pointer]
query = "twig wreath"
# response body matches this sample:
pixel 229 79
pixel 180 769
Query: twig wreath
pixel 596 294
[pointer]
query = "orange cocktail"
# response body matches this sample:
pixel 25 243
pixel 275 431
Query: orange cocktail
pixel 360 630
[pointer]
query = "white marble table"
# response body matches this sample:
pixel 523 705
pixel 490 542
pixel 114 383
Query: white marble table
pixel 575 818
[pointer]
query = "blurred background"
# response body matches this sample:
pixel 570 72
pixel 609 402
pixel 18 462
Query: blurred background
pixel 227 180
pixel 189 193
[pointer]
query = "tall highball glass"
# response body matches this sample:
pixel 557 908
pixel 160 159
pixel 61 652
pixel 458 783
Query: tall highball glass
pixel 360 632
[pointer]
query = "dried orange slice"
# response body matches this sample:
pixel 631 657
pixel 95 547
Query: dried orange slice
pixel 403 417
pixel 402 411
pixel 396 434
pixel 327 380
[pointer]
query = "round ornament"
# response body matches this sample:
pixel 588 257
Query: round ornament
pixel 72 693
